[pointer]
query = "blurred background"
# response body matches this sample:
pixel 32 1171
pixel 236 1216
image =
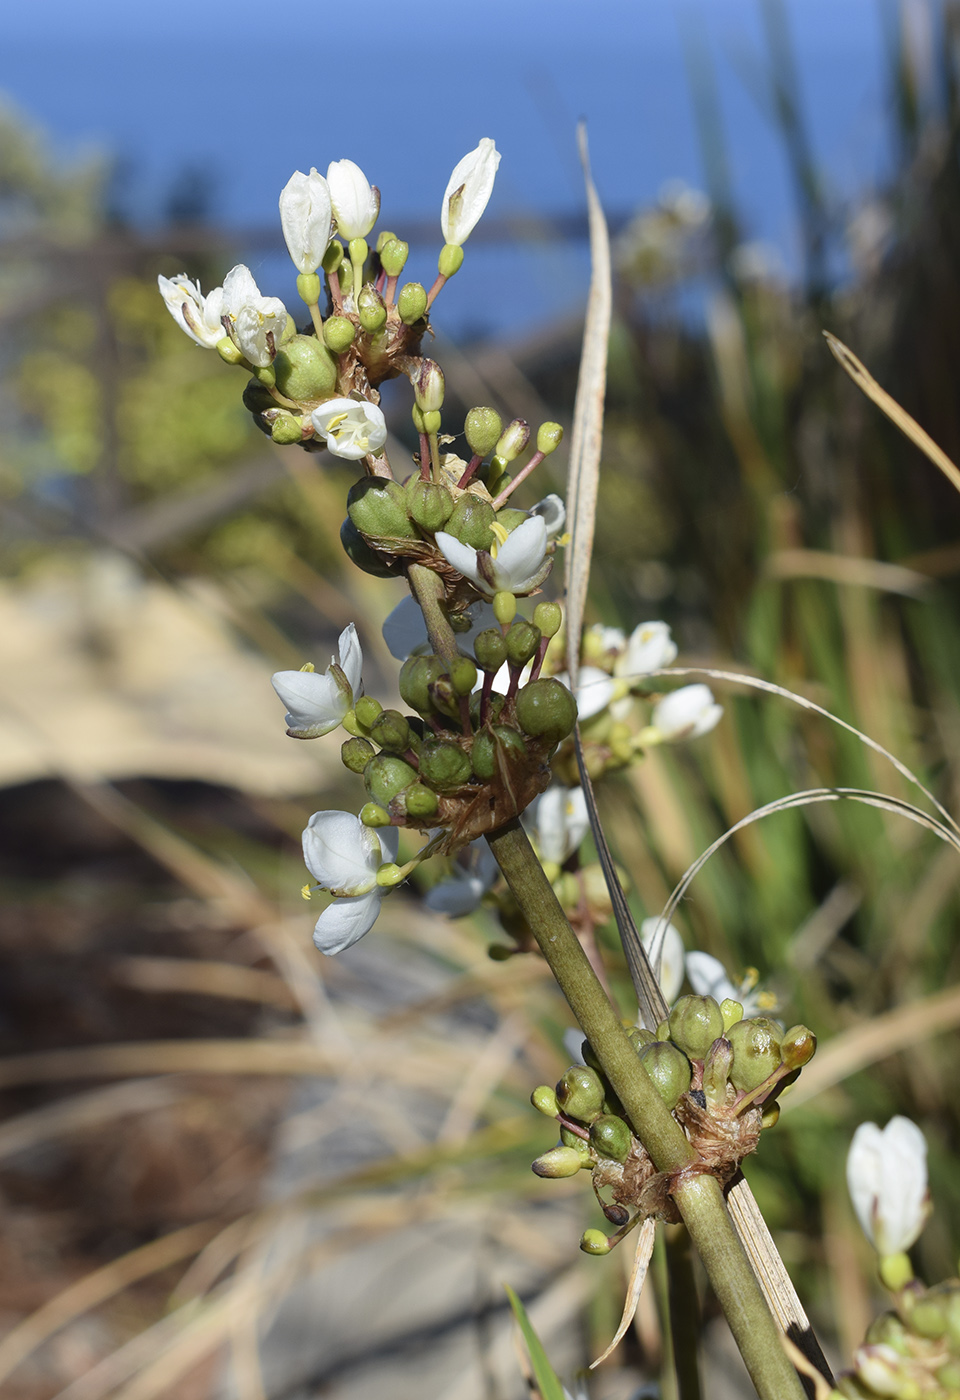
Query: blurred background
pixel 227 1165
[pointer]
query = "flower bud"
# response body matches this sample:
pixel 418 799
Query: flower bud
pixel 391 731
pixel 669 1069
pixel 430 505
pixel 580 1093
pixel 421 801
pixel 417 674
pixel 371 309
pixel 797 1047
pixel 286 428
pixel 549 438
pixel 595 1242
pixel 522 642
pixel 450 260
pixel 544 1100
pixel 695 1023
pixel 716 1072
pixel 463 675
pixel 482 429
pixel 558 1162
pixel 360 553
pixel 385 776
pixel 367 710
pixel 356 754
pixel 443 765
pixel 393 255
pixel 756 1052
pixel 378 508
pixel 308 287
pixel 428 386
pixel 513 440
pixel 546 709
pixel 471 520
pixel 493 747
pixel 610 1137
pixel 411 303
pixel 731 1011
pixel 445 699
pixel 490 649
pixel 333 257
pixel 549 618
pixel 339 333
pixel 571 1139
pixel 373 815
pixel 305 369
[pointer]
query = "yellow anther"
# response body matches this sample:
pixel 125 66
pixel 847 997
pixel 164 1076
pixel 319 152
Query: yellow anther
pixel 563 540
pixel 307 666
pixel 305 892
pixel 750 979
pixel 499 538
pixel 335 422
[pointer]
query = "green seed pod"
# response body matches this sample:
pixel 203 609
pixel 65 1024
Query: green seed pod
pixel 595 1242
pixel 470 521
pixel 305 369
pixel 393 255
pixel 495 705
pixel 695 1023
pixel 286 428
pixel 385 776
pixel 333 256
pixel 429 504
pixel 490 649
pixel 639 1037
pixel 463 675
pixel 669 1069
pixel 411 303
pixel 663 1030
pixel 797 1047
pixel 421 801
pixel 546 709
pixel 732 1012
pixel 716 1072
pixel 610 1137
pixel 491 748
pixel 580 1093
pixel 558 1162
pixel 417 674
pixel 513 440
pixel 339 333
pixel 509 517
pixel 356 754
pixel 756 1052
pixel 373 815
pixel 549 438
pixel 371 310
pixel 367 711
pixel 570 1139
pixel 450 260
pixel 391 731
pixel 378 508
pixel 549 618
pixel 443 765
pixel 482 429
pixel 544 1100
pixel 362 554
pixel 522 642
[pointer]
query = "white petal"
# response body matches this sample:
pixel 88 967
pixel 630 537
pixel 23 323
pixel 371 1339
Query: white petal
pixel 405 631
pixel 351 659
pixel 389 837
pixel 708 977
pixel 344 921
pixel 315 704
pixel 686 713
pixel 352 428
pixel 554 513
pixel 341 853
pixel 521 555
pixel 468 191
pixel 595 690
pixel 191 310
pixel 671 955
pixel 239 289
pixel 461 556
pixel 305 215
pixel 356 203
pixel 455 897
pixel 562 822
pixel 887 1179
pixel 648 648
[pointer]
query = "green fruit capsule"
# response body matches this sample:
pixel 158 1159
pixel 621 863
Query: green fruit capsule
pixel 305 369
pixel 491 748
pixel 463 675
pixel 339 333
pixel 367 710
pixel 546 709
pixel 430 505
pixel 510 518
pixel 371 311
pixel 639 1037
pixel 522 642
pixel 490 649
pixel 756 1052
pixel 390 730
pixel 482 429
pixel 385 776
pixel 595 1242
pixel 286 429
pixel 610 1137
pixel 393 255
pixel 580 1093
pixel 495 704
pixel 470 521
pixel 695 1023
pixel 257 399
pixel 411 303
pixel 797 1047
pixel 421 801
pixel 571 1139
pixel 443 765
pixel 360 553
pixel 378 508
pixel 417 674
pixel 373 815
pixel 669 1069
pixel 548 617
pixel 356 754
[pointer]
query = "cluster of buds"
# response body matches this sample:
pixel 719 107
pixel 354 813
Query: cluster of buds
pixel 719 1073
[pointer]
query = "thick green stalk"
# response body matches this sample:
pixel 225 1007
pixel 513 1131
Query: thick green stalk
pixel 684 1310
pixel 698 1197
pixel 427 588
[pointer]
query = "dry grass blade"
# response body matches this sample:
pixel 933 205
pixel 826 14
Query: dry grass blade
pixel 81 1111
pixel 638 1273
pixel 205 978
pixel 845 569
pixel 587 435
pixel 865 381
pixel 167 1057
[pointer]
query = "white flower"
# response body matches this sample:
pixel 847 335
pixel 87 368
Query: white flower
pixel 475 872
pixel 356 203
pixel 683 714
pixel 517 566
pixel 405 631
pixel 193 312
pixel 554 514
pixel 595 690
pixel 254 323
pixel 561 821
pixel 316 704
pixel 352 427
pixel 305 216
pixel 708 978
pixel 664 939
pixel 887 1180
pixel 648 648
pixel 344 856
pixel 468 190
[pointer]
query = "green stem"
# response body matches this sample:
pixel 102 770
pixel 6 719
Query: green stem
pixel 698 1197
pixel 684 1311
pixel 428 590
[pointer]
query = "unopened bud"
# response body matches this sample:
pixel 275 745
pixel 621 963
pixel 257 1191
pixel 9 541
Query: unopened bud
pixel 443 765
pixel 580 1093
pixel 558 1162
pixel 544 1100
pixel 595 1242
pixel 411 303
pixel 373 815
pixel 546 709
pixel 610 1137
pixel 391 731
pixel 695 1023
pixel 549 618
pixel 445 699
pixel 371 309
pixel 490 649
pixel 428 386
pixel 430 505
pixel 549 438
pixel 333 257
pixel 482 429
pixel 797 1047
pixel 450 260
pixel 471 520
pixel 421 801
pixel 385 776
pixel 513 440
pixel 367 710
pixel 305 369
pixel 393 256
pixel 523 639
pixel 669 1069
pixel 356 754
pixel 731 1011
pixel 716 1072
pixel 383 238
pixel 756 1052
pixel 286 428
pixel 339 333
